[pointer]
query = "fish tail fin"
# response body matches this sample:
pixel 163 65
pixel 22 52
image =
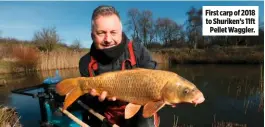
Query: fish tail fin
pixel 70 88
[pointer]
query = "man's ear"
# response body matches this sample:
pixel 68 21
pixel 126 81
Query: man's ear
pixel 92 35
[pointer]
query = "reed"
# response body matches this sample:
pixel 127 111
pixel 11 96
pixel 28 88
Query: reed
pixel 162 60
pixel 261 89
pixel 70 59
pixel 227 124
pixel 214 123
pixel 26 58
pixel 175 123
pixel 253 96
pixel 9 117
pixel 59 60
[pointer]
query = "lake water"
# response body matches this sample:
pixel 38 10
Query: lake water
pixel 234 94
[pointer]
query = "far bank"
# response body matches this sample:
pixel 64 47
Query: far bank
pixel 23 59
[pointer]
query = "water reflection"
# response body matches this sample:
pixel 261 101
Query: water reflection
pixel 233 94
pixel 27 106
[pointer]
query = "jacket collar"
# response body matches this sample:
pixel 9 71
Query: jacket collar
pixel 107 56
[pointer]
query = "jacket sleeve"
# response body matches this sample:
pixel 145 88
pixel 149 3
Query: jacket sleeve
pixel 143 57
pixel 83 65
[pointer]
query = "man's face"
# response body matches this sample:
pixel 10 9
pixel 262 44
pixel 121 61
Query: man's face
pixel 107 31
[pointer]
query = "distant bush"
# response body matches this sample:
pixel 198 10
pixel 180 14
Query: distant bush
pixel 7 44
pixel 26 57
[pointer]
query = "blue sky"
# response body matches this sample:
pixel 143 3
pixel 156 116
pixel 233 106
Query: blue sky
pixel 72 19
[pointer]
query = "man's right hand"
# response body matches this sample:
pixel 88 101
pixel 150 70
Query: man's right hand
pixel 102 96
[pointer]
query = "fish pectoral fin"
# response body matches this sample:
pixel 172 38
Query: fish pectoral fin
pixel 71 97
pixel 71 89
pixel 152 107
pixel 131 109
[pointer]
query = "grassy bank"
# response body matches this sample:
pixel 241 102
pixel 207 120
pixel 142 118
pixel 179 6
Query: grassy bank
pixel 45 61
pixel 231 55
pixel 21 58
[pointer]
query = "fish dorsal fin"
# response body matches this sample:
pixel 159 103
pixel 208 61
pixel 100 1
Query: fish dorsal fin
pixel 152 107
pixel 131 109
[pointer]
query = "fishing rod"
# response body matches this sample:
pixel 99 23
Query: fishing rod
pixel 81 123
pixel 99 116
pixel 71 116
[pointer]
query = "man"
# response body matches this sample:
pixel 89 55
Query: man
pixel 111 50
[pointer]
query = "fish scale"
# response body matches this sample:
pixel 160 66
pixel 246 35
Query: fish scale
pixel 140 87
pixel 128 86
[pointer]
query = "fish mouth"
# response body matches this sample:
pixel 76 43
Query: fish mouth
pixel 198 100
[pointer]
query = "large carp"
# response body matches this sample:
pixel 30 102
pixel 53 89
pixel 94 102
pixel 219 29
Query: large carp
pixel 152 89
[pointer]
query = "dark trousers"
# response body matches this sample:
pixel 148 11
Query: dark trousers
pixel 137 121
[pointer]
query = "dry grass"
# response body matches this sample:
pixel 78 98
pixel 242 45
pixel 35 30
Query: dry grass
pixel 28 58
pixel 162 60
pixel 59 60
pixel 261 89
pixel 227 124
pixel 214 124
pixel 69 59
pixel 175 123
pixel 9 117
pixel 25 57
pixel 18 58
pixel 224 55
pixel 246 91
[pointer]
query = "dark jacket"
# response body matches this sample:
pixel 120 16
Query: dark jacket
pixel 143 60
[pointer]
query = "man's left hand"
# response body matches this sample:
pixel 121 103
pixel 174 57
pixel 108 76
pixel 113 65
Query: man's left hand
pixel 102 96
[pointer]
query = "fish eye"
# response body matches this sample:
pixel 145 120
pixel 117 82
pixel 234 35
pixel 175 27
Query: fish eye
pixel 186 91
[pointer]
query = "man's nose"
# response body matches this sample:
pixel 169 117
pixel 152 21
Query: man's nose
pixel 107 37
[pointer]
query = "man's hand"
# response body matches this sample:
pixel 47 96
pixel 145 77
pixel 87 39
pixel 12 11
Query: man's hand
pixel 102 96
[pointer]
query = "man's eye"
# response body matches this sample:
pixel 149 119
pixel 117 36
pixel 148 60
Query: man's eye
pixel 100 34
pixel 113 33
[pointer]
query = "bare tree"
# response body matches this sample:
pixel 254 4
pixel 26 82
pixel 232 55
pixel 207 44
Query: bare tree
pixel 168 30
pixel 46 39
pixel 142 25
pixel 194 27
pixel 76 45
pixel 133 22
pixel 145 24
